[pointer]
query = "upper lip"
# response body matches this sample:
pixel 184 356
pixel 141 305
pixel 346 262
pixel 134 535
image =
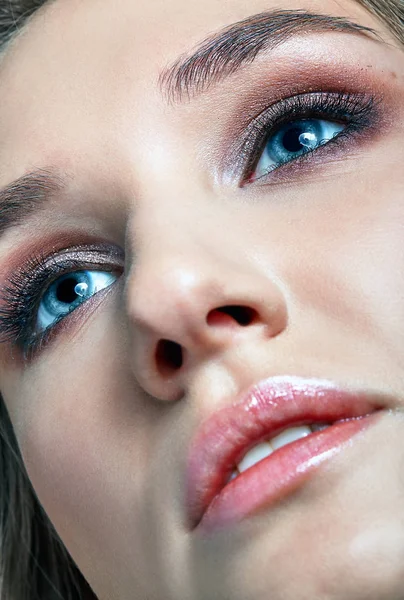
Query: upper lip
pixel 265 409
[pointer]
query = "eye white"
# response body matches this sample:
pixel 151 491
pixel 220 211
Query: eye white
pixel 293 140
pixel 68 292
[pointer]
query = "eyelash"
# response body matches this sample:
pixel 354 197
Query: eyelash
pixel 353 109
pixel 25 288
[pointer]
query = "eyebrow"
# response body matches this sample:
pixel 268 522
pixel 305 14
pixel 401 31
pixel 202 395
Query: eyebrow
pixel 224 52
pixel 217 57
pixel 26 195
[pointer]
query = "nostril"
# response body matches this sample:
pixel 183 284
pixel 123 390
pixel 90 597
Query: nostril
pixel 168 357
pixel 243 315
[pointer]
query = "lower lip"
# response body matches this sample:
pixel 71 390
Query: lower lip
pixel 280 474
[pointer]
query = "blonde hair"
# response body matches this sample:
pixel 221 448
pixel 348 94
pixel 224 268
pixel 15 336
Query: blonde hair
pixel 34 563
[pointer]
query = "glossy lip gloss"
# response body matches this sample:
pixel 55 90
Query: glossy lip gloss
pixel 276 404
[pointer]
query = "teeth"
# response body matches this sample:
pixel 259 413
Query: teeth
pixel 264 449
pixel 255 455
pixel 289 435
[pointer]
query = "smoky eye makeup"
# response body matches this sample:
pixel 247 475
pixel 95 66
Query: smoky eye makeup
pixel 285 122
pixel 49 288
pixel 295 129
pixel 299 131
pixel 285 134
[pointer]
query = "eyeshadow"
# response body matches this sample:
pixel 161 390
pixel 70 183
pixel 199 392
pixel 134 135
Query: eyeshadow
pixel 240 100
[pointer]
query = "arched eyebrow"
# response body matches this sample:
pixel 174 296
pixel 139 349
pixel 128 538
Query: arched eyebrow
pixel 220 55
pixel 27 195
pixel 224 52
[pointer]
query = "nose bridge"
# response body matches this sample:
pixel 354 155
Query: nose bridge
pixel 190 292
pixel 174 214
pixel 175 194
pixel 192 287
pixel 175 277
pixel 178 249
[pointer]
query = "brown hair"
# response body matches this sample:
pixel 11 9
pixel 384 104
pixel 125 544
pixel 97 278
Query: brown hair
pixel 34 563
pixel 389 11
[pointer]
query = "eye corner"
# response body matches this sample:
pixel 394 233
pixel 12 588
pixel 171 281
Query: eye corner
pixel 26 287
pixel 348 112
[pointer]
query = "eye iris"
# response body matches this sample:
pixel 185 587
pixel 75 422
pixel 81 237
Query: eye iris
pixel 68 290
pixel 66 293
pixel 296 138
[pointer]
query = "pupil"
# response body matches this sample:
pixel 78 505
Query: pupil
pixel 66 292
pixel 291 139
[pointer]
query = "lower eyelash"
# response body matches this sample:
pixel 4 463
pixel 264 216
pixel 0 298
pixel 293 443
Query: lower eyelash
pixel 353 109
pixel 20 297
pixel 22 292
pixel 346 134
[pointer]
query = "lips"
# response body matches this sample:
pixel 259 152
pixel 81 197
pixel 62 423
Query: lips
pixel 263 412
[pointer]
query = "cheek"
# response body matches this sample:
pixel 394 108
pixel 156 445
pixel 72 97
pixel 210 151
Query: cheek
pixel 351 251
pixel 62 447
pixel 85 453
pixel 75 483
pixel 360 273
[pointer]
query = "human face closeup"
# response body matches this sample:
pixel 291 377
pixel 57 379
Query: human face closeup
pixel 200 266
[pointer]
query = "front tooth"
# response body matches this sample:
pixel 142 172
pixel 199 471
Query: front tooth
pixel 289 435
pixel 255 455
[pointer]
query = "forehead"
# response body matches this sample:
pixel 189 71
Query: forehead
pixel 79 64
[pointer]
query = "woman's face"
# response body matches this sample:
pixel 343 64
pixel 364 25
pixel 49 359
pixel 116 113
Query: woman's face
pixel 181 243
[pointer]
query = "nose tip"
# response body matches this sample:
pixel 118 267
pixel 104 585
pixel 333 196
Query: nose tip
pixel 181 319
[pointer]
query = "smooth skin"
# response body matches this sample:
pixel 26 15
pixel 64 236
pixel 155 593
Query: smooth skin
pixel 104 421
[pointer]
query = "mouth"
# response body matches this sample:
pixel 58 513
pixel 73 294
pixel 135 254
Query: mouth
pixel 250 455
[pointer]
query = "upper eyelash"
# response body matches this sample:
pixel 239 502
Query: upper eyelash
pixel 353 108
pixel 25 287
pixel 19 296
pixel 23 291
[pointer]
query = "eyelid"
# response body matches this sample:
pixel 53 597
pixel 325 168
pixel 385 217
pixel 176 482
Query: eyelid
pixel 313 128
pixel 26 285
pixel 72 320
pixel 52 307
pixel 80 259
pixel 244 150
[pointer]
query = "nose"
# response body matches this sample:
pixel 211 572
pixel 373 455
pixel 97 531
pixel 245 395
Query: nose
pixel 187 306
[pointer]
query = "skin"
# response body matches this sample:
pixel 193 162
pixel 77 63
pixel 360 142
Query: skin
pixel 103 424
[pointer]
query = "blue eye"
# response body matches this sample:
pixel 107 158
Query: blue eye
pixel 293 140
pixel 67 293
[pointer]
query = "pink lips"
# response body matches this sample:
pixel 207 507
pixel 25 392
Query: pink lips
pixel 263 412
